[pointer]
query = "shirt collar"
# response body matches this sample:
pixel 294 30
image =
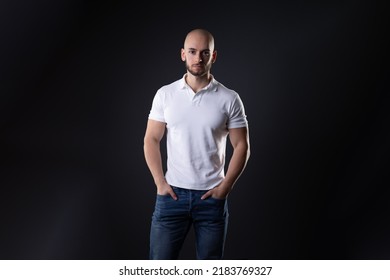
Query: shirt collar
pixel 212 86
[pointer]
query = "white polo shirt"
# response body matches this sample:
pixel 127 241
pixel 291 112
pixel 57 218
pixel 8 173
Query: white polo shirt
pixel 197 129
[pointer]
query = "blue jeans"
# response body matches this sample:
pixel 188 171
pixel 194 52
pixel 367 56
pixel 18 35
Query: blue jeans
pixel 172 219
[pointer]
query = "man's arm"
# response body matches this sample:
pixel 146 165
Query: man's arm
pixel 239 138
pixel 154 133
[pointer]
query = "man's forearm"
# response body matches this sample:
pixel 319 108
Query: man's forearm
pixel 236 166
pixel 153 160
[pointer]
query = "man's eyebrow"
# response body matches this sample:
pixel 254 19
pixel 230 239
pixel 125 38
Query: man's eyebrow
pixel 193 49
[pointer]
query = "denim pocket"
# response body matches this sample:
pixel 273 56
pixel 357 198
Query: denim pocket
pixel 217 199
pixel 162 195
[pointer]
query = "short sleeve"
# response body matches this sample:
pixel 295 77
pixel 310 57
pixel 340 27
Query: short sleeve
pixel 157 110
pixel 237 116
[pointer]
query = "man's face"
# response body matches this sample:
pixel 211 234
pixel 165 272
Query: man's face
pixel 198 55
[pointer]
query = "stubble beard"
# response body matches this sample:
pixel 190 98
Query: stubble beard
pixel 196 73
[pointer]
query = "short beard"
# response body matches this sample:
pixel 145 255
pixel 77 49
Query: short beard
pixel 196 74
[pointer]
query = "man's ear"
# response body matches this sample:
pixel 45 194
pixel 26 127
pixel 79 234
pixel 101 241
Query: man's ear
pixel 214 56
pixel 183 55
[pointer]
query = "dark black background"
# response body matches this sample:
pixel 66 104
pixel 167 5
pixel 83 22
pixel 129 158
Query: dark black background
pixel 77 81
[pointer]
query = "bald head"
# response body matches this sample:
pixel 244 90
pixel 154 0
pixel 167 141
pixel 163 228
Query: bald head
pixel 197 36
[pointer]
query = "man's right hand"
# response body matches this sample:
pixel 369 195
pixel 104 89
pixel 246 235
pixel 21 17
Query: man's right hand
pixel 164 189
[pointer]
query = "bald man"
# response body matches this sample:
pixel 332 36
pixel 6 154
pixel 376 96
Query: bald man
pixel 198 113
